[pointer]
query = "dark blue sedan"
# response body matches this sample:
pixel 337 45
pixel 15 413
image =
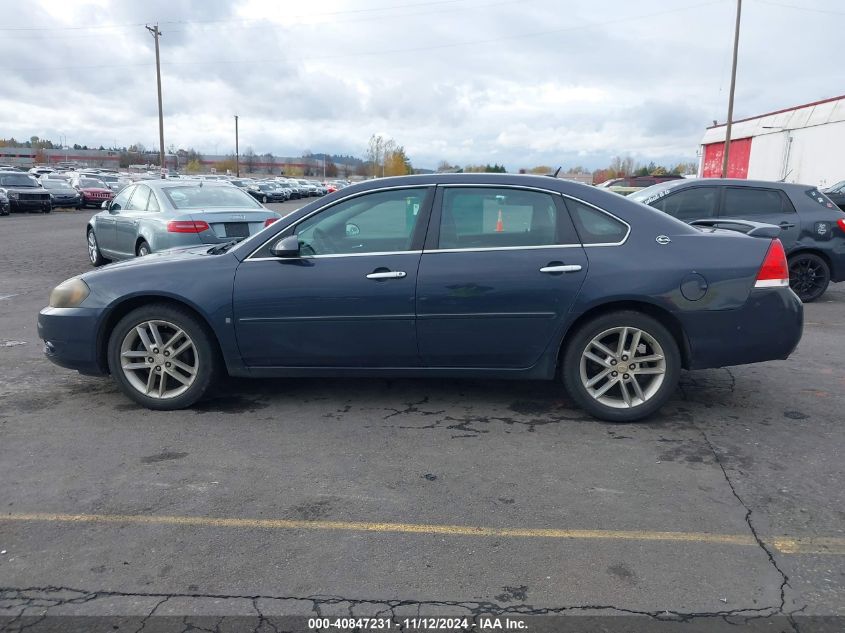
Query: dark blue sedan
pixel 458 275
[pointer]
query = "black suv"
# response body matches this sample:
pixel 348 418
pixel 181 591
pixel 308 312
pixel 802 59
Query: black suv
pixel 22 192
pixel 812 227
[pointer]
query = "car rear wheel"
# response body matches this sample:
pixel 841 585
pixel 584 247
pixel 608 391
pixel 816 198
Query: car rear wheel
pixel 143 249
pixel 622 366
pixel 94 254
pixel 809 276
pixel 162 357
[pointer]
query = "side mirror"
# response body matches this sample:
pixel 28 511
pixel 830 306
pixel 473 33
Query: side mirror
pixel 105 204
pixel 286 247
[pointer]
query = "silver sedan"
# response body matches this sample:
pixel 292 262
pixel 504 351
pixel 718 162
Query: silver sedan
pixel 156 215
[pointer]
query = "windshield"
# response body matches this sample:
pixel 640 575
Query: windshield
pixel 197 197
pixel 650 194
pixel 54 183
pixel 92 183
pixel 108 178
pixel 18 180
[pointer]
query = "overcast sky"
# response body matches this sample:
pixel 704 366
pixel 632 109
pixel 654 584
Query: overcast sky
pixel 519 82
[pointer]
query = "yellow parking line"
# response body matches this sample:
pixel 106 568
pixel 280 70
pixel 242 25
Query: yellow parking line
pixel 785 545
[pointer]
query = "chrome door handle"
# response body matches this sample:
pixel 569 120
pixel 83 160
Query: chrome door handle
pixel 570 268
pixel 393 274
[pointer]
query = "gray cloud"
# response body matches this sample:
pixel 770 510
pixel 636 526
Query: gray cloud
pixel 524 83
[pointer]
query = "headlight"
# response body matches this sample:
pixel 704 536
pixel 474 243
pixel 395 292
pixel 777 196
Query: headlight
pixel 69 294
pixel 13 195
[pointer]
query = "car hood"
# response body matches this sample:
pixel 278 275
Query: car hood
pixel 64 191
pixel 23 189
pixel 180 253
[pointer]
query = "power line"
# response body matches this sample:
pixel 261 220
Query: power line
pixel 227 21
pixel 264 25
pixel 797 8
pixel 417 49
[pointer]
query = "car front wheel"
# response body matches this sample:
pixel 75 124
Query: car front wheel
pixel 622 366
pixel 809 276
pixel 143 249
pixel 162 357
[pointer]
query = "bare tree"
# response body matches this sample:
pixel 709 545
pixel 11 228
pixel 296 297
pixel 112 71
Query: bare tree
pixel 250 159
pixel 375 153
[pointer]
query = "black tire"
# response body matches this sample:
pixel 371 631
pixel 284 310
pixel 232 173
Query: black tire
pixel 47 209
pixel 809 276
pixel 143 249
pixel 579 342
pixel 264 199
pixel 94 255
pixel 208 363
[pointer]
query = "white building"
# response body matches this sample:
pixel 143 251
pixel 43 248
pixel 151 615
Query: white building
pixel 803 144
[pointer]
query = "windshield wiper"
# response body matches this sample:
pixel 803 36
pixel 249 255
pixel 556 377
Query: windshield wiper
pixel 222 248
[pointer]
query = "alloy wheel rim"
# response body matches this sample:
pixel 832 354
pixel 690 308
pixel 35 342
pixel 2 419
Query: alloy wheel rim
pixel 623 367
pixel 92 246
pixel 159 359
pixel 807 276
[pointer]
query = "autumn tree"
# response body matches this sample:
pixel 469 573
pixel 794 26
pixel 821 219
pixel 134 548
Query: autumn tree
pixel 226 166
pixel 195 167
pixel 396 163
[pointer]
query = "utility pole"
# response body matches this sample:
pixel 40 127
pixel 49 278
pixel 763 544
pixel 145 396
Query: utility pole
pixel 237 154
pixel 731 96
pixel 157 34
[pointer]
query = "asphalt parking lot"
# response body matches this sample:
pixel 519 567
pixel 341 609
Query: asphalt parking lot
pixel 314 496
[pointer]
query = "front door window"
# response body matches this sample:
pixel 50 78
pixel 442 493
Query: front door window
pixel 379 222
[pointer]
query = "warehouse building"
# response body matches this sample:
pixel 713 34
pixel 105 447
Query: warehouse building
pixel 803 144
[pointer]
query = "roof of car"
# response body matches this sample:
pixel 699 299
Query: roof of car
pixel 178 182
pixel 736 182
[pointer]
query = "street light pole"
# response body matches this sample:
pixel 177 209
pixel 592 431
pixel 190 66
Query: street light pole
pixel 157 34
pixel 731 96
pixel 237 154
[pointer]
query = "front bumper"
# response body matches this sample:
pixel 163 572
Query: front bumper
pixel 66 201
pixel 768 327
pixel 16 204
pixel 70 338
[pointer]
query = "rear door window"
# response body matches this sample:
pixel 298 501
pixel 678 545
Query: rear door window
pixel 747 201
pixel 695 203
pixel 501 217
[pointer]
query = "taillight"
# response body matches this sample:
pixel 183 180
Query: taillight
pixel 187 226
pixel 841 223
pixel 774 272
pixel 269 221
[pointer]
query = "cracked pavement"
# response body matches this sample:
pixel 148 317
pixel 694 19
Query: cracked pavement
pixel 753 451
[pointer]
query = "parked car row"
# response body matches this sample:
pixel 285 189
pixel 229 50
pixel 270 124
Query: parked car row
pixel 20 191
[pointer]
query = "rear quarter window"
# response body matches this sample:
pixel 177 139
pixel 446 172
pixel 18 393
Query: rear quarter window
pixel 818 197
pixel 594 226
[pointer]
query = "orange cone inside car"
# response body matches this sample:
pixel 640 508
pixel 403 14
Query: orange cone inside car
pixel 500 225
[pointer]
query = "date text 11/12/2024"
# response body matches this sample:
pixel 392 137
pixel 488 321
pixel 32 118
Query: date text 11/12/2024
pixel 419 624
